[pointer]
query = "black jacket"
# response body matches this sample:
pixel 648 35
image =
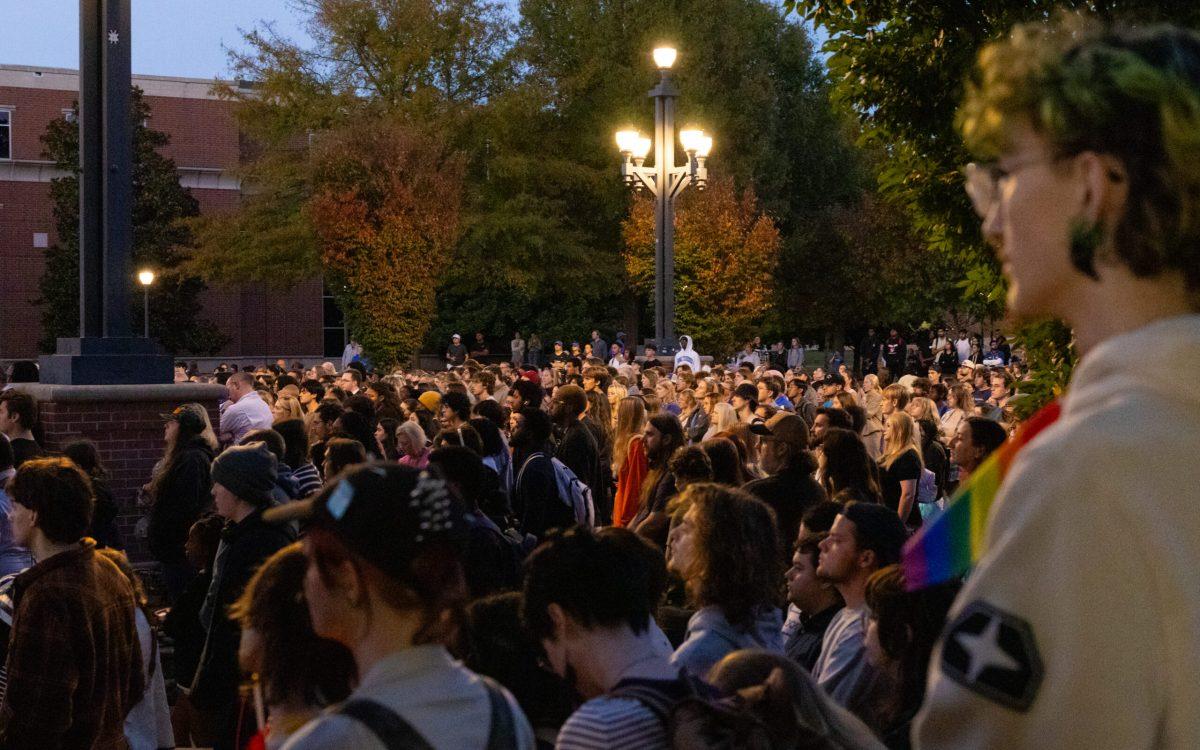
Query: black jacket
pixel 790 493
pixel 579 451
pixel 183 495
pixel 244 546
pixel 536 501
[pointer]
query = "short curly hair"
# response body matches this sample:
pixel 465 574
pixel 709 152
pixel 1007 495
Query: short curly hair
pixel 1130 93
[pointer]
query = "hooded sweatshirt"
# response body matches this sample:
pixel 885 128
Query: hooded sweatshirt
pixel 710 637
pixel 1080 627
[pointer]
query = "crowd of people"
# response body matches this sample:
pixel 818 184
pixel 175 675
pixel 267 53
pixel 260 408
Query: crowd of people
pixel 633 530
pixel 633 554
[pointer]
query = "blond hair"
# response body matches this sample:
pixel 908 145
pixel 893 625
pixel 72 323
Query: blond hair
pixel 900 437
pixel 631 421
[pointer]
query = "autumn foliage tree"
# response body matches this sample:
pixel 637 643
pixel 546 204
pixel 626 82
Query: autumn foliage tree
pixel 726 252
pixel 385 212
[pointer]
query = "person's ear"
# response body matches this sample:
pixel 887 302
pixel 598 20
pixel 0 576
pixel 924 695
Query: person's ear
pixel 562 622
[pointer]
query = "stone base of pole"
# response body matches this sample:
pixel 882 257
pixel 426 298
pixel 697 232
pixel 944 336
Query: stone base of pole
pixel 106 361
pixel 125 422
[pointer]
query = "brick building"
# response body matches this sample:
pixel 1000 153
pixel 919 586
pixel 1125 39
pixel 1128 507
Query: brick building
pixel 206 148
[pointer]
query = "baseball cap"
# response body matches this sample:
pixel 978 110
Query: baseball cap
pixel 385 513
pixel 456 336
pixel 784 426
pixel 190 417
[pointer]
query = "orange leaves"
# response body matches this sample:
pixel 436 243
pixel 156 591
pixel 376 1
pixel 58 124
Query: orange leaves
pixel 726 252
pixel 386 213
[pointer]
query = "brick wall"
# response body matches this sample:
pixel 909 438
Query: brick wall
pixel 125 423
pixel 258 320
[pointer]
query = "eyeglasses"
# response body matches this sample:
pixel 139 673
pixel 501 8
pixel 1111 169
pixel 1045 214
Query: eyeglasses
pixel 984 180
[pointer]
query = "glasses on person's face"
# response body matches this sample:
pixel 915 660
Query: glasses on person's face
pixel 985 180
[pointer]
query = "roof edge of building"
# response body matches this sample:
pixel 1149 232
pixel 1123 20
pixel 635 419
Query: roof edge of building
pixel 67 79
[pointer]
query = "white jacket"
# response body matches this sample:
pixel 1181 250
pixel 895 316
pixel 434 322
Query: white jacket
pixel 1080 628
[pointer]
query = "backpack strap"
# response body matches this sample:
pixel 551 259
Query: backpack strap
pixel 503 732
pixel 658 701
pixel 394 732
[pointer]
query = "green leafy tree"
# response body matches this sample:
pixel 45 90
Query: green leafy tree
pixel 899 66
pixel 160 240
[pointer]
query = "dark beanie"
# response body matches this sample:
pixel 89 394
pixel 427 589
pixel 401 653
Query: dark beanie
pixel 247 471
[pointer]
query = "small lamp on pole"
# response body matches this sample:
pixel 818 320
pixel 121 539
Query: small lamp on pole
pixel 146 279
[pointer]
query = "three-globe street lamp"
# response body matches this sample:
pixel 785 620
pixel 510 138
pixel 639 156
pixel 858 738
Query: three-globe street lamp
pixel 664 180
pixel 146 279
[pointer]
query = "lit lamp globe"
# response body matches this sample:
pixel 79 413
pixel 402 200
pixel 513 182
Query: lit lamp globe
pixel 691 139
pixel 628 141
pixel 664 57
pixel 146 278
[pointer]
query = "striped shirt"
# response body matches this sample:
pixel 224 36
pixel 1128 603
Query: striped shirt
pixel 307 479
pixel 604 723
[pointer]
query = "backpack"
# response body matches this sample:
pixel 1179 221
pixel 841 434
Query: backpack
pixel 397 734
pixel 571 491
pixel 760 717
pixel 927 490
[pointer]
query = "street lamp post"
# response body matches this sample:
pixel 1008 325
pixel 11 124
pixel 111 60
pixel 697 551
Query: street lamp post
pixel 664 180
pixel 146 278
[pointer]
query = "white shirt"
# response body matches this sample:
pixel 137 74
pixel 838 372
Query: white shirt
pixel 249 413
pixel 1098 515
pixel 963 347
pixel 445 702
pixel 842 663
pixel 148 724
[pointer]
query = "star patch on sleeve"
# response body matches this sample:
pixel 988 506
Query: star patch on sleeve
pixel 993 653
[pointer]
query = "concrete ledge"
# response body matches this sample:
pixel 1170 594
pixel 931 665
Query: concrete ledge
pixel 176 392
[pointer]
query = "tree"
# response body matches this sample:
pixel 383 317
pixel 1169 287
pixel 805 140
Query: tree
pixel 899 66
pixel 726 251
pixel 160 240
pixel 385 212
pixel 854 266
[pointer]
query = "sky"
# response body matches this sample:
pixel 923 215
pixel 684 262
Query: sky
pixel 170 37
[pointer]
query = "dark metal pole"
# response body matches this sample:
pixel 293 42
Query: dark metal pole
pixel 146 311
pixel 91 170
pixel 118 175
pixel 664 231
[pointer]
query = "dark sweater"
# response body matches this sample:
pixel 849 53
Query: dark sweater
pixel 183 494
pixel 790 493
pixel 244 546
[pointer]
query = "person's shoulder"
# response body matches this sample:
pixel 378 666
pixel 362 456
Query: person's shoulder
pixel 611 722
pixel 333 732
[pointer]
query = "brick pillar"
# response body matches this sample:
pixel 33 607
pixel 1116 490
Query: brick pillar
pixel 125 422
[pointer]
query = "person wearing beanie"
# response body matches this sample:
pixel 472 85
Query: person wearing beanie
pixel 243 478
pixel 431 400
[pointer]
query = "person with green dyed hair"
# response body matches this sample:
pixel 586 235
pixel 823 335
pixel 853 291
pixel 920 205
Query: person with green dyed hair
pixel 1080 626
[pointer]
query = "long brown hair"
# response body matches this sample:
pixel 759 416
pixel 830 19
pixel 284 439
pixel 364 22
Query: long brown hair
pixel 738 560
pixel 631 420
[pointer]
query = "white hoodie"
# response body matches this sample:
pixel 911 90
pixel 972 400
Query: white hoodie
pixel 1080 628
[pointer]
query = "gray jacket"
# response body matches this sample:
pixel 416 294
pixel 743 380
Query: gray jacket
pixel 710 637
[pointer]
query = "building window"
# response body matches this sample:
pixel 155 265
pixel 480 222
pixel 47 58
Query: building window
pixel 5 134
pixel 334 325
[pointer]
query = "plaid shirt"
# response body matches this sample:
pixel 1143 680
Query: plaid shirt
pixel 74 662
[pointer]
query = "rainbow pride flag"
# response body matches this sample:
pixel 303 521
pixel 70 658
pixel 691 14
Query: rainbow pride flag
pixel 950 543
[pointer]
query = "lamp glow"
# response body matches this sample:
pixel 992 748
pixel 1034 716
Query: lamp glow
pixel 691 139
pixel 704 146
pixel 627 140
pixel 642 148
pixel 664 57
pixel 146 278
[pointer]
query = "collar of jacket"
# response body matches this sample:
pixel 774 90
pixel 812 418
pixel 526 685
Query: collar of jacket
pixel 72 557
pixel 233 530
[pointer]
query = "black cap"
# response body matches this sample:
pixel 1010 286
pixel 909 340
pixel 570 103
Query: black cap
pixel 383 512
pixel 190 417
